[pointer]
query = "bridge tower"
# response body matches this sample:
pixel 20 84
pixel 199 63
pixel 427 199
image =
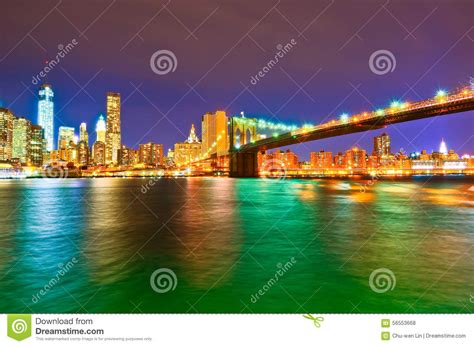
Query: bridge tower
pixel 242 131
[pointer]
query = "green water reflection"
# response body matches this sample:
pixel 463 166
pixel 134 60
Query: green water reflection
pixel 226 238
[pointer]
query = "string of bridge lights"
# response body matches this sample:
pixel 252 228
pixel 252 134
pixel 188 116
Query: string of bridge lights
pixel 396 106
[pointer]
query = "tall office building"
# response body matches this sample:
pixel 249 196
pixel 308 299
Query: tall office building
pixel 214 134
pixel 46 114
pixel 6 134
pixel 65 136
pixel 382 145
pixel 113 140
pixel 21 139
pixel 83 135
pixel 98 153
pixel 82 154
pixel 37 146
pixel 100 129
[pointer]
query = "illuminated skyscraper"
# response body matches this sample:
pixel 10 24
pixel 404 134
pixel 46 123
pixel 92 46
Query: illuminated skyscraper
pixel 382 145
pixel 46 114
pixel 214 134
pixel 82 153
pixel 6 134
pixel 100 129
pixel 21 139
pixel 37 146
pixel 83 135
pixel 98 153
pixel 443 149
pixel 66 135
pixel 113 139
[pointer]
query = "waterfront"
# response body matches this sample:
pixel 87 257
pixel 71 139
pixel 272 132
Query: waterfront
pixel 226 238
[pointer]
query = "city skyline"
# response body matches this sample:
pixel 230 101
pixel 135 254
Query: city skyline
pixel 100 118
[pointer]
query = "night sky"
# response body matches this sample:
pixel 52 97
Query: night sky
pixel 220 45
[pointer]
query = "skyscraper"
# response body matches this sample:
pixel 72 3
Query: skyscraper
pixel 46 114
pixel 100 129
pixel 21 139
pixel 113 140
pixel 382 145
pixel 6 134
pixel 65 136
pixel 98 153
pixel 214 134
pixel 37 146
pixel 83 135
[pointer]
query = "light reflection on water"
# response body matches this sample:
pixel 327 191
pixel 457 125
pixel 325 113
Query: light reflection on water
pixel 225 239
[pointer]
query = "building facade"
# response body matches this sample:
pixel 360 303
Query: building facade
pixel 21 140
pixel 113 136
pixel 83 135
pixel 382 145
pixel 151 154
pixel 100 129
pixel 215 134
pixel 188 151
pixel 37 146
pixel 321 159
pixel 6 135
pixel 98 153
pixel 46 114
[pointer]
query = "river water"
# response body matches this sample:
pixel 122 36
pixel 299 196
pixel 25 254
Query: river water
pixel 237 245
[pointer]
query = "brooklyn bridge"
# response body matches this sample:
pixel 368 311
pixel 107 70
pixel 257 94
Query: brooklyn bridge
pixel 244 145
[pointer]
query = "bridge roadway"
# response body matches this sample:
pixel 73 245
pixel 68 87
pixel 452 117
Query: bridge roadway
pixel 243 161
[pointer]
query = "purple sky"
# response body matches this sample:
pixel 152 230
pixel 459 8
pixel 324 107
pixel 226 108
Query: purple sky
pixel 219 45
